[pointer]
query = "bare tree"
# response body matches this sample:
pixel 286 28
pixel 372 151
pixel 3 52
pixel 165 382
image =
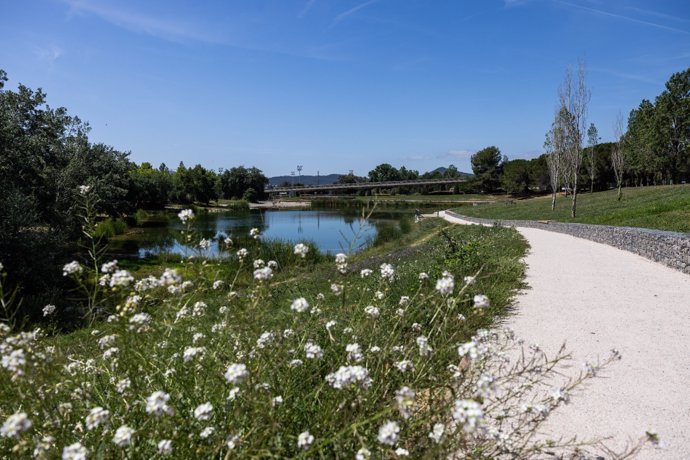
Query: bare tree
pixel 592 141
pixel 554 146
pixel 617 157
pixel 573 99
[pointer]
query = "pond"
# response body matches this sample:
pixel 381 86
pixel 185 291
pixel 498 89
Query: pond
pixel 331 231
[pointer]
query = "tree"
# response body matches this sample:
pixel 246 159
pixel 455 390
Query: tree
pixel 673 117
pixel 384 173
pixel 487 165
pixel 617 155
pixel 592 141
pixel 573 99
pixel 554 145
pixel 515 178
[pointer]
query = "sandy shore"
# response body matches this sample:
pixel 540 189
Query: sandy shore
pixel 280 205
pixel 595 298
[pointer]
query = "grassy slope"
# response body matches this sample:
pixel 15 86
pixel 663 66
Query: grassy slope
pixel 663 207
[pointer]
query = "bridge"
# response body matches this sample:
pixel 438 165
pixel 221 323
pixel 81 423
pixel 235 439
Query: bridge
pixel 361 186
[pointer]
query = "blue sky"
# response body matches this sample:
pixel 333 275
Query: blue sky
pixel 336 85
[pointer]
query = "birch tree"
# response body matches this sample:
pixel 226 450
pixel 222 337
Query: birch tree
pixel 592 140
pixel 617 156
pixel 554 147
pixel 573 97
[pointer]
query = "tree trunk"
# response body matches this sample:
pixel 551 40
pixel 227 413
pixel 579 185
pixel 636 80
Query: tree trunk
pixel 620 192
pixel 553 200
pixel 573 209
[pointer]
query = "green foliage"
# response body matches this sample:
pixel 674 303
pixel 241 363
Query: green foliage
pixel 235 182
pixel 110 227
pixel 487 165
pixel 516 177
pixel 250 195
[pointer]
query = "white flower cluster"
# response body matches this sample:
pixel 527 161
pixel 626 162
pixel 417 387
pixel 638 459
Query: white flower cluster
pixel 185 215
pixel 15 425
pixel 305 440
pixel 313 351
pixel 255 233
pixel 97 417
pixel 341 262
pixel 300 305
pixel 48 310
pixel 121 278
pixel 71 269
pixel 481 301
pixel 468 413
pixel 301 250
pixel 263 274
pixel 404 398
pixel 157 404
pixel 349 377
pixel 387 272
pixel 388 433
pixel 366 272
pixel 445 284
pixel 236 373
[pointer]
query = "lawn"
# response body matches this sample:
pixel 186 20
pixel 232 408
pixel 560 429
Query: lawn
pixel 660 207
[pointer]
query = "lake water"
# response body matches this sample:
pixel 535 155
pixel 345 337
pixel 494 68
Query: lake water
pixel 330 230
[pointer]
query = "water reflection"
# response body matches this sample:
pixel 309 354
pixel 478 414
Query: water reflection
pixel 331 230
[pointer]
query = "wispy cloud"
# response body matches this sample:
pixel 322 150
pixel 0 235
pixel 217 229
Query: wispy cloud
pixel 658 14
pixel 458 154
pixel 49 54
pixel 626 75
pixel 352 11
pixel 601 12
pixel 166 29
pixel 419 157
pixel 306 8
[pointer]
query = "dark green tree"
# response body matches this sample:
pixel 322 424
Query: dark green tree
pixel 515 178
pixel 487 166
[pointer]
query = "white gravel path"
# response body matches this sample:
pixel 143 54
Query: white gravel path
pixel 595 298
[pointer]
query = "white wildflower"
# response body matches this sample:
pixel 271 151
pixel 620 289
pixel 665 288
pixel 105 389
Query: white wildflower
pixel 259 263
pixel 204 243
pixel 74 452
pixel 242 254
pixel 423 276
pixel 121 278
pixel 387 272
pixel 404 301
pixel 354 352
pixel 15 425
pixel 185 215
pixel 305 440
pixel 123 436
pixel 468 413
pixel 313 351
pixel 301 250
pixel 446 284
pixel 469 280
pixel 236 373
pixel 157 404
pixel 97 417
pixel 372 311
pixel 363 454
pixel 341 262
pixel 207 432
pixel 481 301
pixel 255 233
pixel 263 274
pixel 165 447
pixel 72 268
pixel 349 376
pixel 437 433
pixel 109 267
pixel 218 284
pixel 300 305
pixel 388 433
pixel 336 289
pixel 366 272
pixel 191 353
pixel 48 310
pixel 401 452
pixel 423 344
pixel 404 365
pixel 277 401
pixel 404 398
pixel 84 189
pixel 203 412
pixel 265 338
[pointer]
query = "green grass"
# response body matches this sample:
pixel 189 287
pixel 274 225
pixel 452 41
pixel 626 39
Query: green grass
pixel 236 315
pixel 661 207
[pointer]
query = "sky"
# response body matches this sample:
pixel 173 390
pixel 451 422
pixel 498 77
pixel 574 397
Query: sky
pixel 336 85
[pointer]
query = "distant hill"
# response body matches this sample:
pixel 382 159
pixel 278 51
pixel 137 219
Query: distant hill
pixel 304 179
pixel 443 169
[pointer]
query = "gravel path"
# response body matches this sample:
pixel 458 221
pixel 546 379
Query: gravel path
pixel 595 298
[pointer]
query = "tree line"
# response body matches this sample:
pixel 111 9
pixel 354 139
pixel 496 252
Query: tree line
pixel 45 155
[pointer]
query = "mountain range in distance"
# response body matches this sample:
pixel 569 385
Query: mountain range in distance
pixel 328 178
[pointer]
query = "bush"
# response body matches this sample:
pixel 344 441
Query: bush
pixel 250 195
pixel 109 228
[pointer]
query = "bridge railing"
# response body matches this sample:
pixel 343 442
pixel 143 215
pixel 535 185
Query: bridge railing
pixel 360 185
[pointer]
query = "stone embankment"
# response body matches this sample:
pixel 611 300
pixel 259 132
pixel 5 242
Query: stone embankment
pixel 669 248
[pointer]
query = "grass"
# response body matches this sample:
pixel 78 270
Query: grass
pixel 660 207
pixel 243 321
